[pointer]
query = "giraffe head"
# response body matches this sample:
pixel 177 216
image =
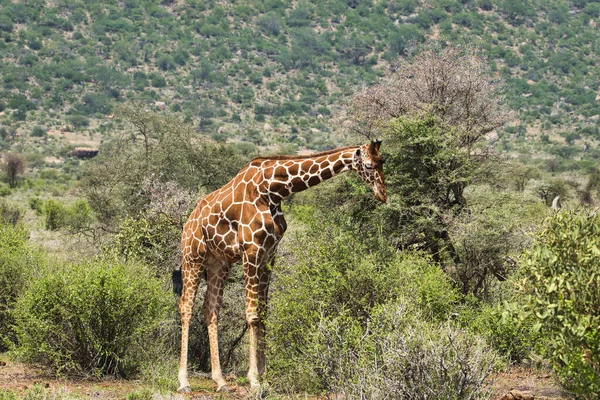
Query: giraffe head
pixel 369 166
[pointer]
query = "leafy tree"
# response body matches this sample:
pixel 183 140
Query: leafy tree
pixel 434 112
pixel 158 147
pixel 562 282
pixel 14 165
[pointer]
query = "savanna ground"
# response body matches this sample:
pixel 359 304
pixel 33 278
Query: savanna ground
pixel 532 383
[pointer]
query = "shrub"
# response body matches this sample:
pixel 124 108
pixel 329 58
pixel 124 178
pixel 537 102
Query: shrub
pixel 38 131
pixel 79 121
pixel 502 328
pixel 78 217
pixel 55 213
pixel 9 213
pixel 562 280
pixel 99 317
pixel 329 298
pixel 37 205
pixel 4 190
pixel 407 357
pixel 16 259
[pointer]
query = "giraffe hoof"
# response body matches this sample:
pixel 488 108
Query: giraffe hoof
pixel 223 389
pixel 185 389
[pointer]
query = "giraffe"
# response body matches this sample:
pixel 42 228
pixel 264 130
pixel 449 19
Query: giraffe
pixel 243 221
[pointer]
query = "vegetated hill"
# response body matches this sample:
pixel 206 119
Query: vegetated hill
pixel 272 72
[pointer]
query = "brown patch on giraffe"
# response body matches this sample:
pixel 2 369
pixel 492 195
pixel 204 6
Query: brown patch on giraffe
pixel 298 185
pixel 280 173
pixel 268 172
pixel 314 180
pixel 326 174
pixel 293 169
pixel 305 166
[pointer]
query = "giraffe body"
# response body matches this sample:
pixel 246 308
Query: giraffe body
pixel 243 221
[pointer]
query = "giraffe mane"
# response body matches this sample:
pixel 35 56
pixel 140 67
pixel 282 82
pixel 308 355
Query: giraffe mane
pixel 304 157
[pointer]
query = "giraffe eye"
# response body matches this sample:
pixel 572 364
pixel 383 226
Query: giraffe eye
pixel 368 166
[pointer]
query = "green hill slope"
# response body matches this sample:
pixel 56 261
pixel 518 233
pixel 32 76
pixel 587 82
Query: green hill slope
pixel 272 72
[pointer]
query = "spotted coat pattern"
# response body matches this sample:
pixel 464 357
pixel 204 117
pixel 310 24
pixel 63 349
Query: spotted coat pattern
pixel 243 221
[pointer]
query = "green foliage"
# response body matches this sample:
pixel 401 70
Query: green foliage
pixel 18 263
pixel 5 190
pixel 55 214
pixel 140 394
pixel 38 131
pixel 99 317
pixel 10 213
pixel 78 217
pixel 7 395
pixel 562 281
pixel 497 228
pixel 37 205
pixel 325 304
pixel 443 165
pixel 122 180
pixel 153 239
pixel 501 326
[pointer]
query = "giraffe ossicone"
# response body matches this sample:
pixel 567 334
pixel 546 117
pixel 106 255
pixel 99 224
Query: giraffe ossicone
pixel 243 221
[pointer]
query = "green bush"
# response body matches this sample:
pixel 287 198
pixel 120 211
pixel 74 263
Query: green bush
pixel 502 328
pixel 37 205
pixel 38 131
pixel 326 300
pixel 10 213
pixel 562 280
pixel 99 317
pixel 6 394
pixel 55 213
pixel 78 217
pixel 5 190
pixel 17 260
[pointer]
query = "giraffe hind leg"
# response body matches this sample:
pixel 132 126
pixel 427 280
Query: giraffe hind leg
pixel 191 273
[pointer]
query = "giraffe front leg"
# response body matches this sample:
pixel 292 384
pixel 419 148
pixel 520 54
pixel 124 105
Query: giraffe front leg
pixel 191 279
pixel 252 266
pixel 263 296
pixel 210 308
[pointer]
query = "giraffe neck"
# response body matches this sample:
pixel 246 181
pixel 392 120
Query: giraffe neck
pixel 284 176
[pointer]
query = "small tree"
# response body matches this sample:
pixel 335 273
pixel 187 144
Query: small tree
pixel 14 165
pixel 562 281
pixel 159 148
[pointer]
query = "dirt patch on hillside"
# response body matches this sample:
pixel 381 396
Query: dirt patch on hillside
pixel 527 383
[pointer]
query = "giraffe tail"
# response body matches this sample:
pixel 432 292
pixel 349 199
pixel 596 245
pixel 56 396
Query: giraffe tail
pixel 177 282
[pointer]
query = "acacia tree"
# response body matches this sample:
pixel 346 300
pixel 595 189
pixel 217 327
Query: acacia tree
pixel 121 181
pixel 452 84
pixel 434 111
pixel 14 165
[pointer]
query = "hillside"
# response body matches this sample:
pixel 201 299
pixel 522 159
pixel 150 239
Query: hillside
pixel 270 73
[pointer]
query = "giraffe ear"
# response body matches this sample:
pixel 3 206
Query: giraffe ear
pixel 357 154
